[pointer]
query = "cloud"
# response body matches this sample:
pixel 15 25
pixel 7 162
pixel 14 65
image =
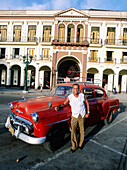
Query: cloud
pixel 61 4
pixel 90 4
pixel 36 6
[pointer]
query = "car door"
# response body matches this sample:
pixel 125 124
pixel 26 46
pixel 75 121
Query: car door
pixel 100 97
pixel 90 96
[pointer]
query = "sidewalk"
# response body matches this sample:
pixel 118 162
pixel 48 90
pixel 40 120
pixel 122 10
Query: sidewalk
pixel 121 96
pixel 18 91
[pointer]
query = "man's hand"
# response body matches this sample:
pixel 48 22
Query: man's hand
pixel 56 108
pixel 86 115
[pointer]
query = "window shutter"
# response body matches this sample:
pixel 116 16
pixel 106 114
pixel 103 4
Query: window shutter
pixel 3 35
pixel 92 55
pixel 81 35
pixel 111 37
pixel 61 34
pixel 125 38
pixel 72 35
pixel 17 35
pixel 95 55
pixel 31 35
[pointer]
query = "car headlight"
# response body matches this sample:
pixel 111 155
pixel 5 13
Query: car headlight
pixel 35 117
pixel 10 105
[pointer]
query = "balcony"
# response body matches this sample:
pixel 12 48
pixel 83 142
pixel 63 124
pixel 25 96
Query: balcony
pixel 46 57
pixel 117 42
pixel 113 61
pixel 95 41
pixel 48 39
pixel 70 41
pixel 18 39
pixel 123 61
pixel 95 60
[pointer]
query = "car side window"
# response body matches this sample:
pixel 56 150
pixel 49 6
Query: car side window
pixel 99 93
pixel 88 93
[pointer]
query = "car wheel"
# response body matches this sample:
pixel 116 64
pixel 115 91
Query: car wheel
pixel 109 119
pixel 55 139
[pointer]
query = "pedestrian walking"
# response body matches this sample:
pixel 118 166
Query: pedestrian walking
pixel 77 102
pixel 41 88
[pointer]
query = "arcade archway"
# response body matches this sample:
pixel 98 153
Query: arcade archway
pixel 69 67
pixel 3 73
pixel 108 79
pixel 45 73
pixel 91 72
pixel 15 75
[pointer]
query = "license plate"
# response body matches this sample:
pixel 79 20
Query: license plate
pixel 11 130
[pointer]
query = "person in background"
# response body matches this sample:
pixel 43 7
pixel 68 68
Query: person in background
pixel 41 88
pixel 77 102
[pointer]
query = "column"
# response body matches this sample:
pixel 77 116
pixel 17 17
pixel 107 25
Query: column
pixel 116 79
pixel 110 82
pixel 42 78
pixel 53 69
pixel 65 33
pixel 22 78
pixel 98 78
pixel 84 62
pixel 8 76
pixel 37 76
pixel 75 36
pixel 124 84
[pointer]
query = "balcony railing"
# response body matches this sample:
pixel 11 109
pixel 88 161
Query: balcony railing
pixel 95 60
pixel 18 39
pixel 32 39
pixel 95 40
pixel 123 61
pixel 116 42
pixel 114 60
pixel 47 39
pixel 46 57
pixel 73 40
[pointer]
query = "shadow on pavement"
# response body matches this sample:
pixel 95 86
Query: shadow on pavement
pixel 123 159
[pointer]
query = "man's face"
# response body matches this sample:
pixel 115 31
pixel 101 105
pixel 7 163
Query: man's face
pixel 75 89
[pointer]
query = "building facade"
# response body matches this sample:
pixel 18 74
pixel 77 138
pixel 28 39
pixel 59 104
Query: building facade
pixel 85 45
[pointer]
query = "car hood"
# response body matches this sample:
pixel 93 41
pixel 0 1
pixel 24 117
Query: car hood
pixel 37 104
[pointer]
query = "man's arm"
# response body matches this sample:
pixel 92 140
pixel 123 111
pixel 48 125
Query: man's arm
pixel 62 104
pixel 88 108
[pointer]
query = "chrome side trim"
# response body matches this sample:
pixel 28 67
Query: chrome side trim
pixel 19 111
pixel 114 106
pixel 58 122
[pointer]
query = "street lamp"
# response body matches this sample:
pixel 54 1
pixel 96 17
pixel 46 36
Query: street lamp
pixel 27 62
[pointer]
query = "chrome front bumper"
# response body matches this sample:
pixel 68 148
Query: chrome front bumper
pixel 28 139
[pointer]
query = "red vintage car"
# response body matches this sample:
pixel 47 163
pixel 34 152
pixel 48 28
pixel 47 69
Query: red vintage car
pixel 35 120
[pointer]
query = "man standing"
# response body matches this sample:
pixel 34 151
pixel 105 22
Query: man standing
pixel 77 102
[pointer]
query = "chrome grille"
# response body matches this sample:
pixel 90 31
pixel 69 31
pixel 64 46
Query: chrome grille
pixel 19 121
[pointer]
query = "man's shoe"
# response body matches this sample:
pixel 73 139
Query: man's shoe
pixel 80 147
pixel 72 150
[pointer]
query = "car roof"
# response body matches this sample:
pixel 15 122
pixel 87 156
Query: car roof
pixel 81 85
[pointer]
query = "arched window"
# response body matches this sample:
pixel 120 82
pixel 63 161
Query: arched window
pixel 61 33
pixel 80 33
pixel 70 33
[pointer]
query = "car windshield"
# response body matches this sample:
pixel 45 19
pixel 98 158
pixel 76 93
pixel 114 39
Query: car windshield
pixel 63 91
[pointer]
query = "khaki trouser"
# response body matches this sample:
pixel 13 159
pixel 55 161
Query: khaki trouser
pixel 74 123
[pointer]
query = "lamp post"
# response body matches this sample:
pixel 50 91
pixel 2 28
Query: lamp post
pixel 26 61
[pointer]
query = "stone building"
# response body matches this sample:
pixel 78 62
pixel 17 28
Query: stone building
pixel 85 45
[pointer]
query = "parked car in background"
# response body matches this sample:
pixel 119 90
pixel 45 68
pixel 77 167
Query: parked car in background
pixel 35 120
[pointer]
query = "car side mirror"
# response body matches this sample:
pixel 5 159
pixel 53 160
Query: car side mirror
pixel 50 105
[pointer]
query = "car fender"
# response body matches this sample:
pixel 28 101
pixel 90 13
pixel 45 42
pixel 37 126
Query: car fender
pixel 106 108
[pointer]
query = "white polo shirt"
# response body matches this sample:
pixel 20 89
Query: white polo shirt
pixel 77 105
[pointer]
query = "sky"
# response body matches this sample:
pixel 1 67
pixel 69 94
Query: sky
pixel 63 4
